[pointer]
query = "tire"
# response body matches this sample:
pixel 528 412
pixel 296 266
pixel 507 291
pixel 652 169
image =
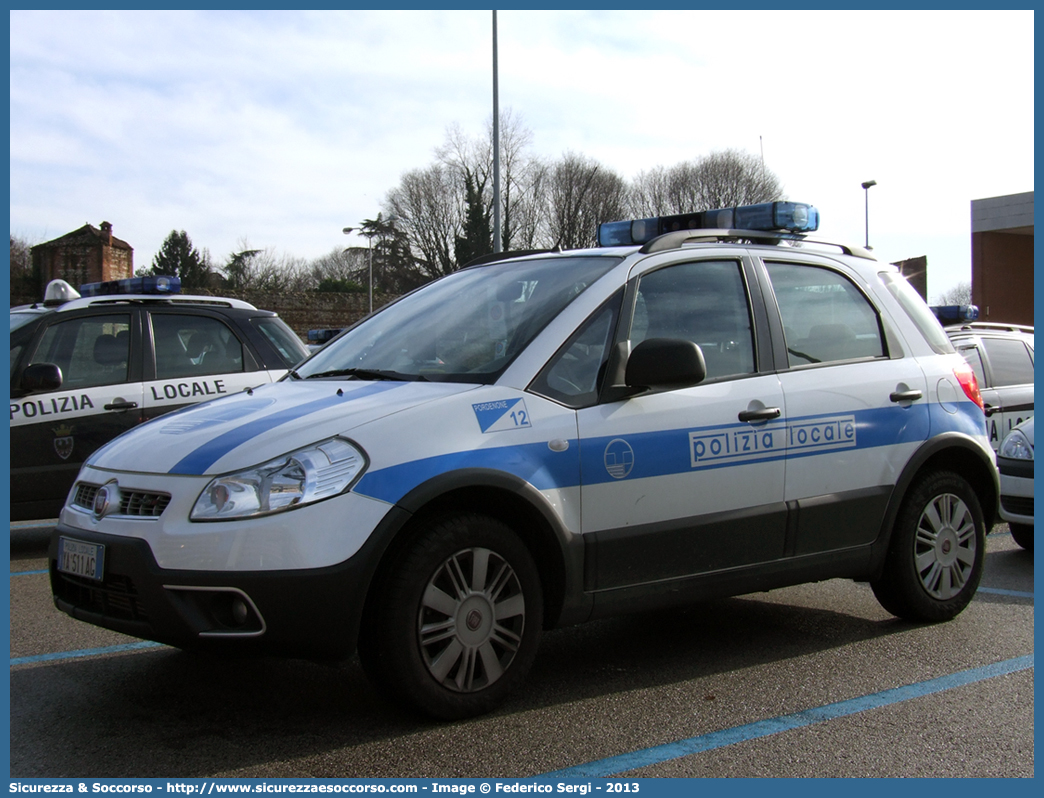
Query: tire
pixel 1022 534
pixel 935 558
pixel 455 626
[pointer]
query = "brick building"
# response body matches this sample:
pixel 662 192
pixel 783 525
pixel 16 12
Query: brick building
pixel 1002 258
pixel 87 255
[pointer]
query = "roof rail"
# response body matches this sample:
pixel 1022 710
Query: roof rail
pixel 677 238
pixel 992 325
pixel 152 299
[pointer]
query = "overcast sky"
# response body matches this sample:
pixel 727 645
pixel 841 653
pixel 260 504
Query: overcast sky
pixel 277 129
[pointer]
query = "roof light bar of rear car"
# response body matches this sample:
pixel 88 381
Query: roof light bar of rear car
pixel 955 314
pixel 793 217
pixel 158 285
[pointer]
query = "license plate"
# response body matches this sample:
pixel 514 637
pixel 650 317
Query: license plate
pixel 81 559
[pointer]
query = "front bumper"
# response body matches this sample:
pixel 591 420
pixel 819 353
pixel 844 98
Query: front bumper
pixel 1016 490
pixel 307 613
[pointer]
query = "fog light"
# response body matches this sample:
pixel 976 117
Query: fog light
pixel 240 612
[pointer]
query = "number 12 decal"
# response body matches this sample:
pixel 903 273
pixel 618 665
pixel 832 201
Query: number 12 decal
pixel 501 415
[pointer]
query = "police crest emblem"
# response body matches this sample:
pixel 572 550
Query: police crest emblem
pixel 63 441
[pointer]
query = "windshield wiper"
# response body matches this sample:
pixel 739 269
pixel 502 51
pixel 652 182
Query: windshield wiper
pixel 366 374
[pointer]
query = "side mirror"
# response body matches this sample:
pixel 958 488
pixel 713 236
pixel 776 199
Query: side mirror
pixel 41 377
pixel 665 363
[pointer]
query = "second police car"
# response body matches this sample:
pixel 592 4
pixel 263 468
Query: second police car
pixel 86 368
pixel 703 406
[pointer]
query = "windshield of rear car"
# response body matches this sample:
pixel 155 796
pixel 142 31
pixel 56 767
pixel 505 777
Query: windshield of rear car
pixel 466 327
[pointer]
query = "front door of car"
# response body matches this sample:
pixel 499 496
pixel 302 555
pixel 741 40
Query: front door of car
pixel 690 480
pixel 100 396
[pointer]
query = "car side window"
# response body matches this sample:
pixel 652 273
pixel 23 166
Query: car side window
pixel 704 302
pixel 192 346
pixel 1010 362
pixel 90 351
pixel 825 317
pixel 573 375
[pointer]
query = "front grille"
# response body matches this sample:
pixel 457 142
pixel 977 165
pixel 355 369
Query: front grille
pixel 115 597
pixel 138 502
pixel 85 495
pixel 132 502
pixel 1017 505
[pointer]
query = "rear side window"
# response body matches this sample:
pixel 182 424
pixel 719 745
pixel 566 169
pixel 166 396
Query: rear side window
pixel 825 317
pixel 192 346
pixel 291 350
pixel 920 314
pixel 1010 361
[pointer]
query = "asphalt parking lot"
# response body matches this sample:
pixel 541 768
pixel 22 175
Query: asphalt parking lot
pixel 811 681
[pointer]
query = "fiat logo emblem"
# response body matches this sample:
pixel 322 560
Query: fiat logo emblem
pixel 474 620
pixel 104 499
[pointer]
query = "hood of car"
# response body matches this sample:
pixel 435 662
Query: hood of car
pixel 255 426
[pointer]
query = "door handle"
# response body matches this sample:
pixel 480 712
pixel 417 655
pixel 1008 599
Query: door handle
pixel 120 404
pixel 905 396
pixel 765 414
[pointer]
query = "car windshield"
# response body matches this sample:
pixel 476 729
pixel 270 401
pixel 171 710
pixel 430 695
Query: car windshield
pixel 466 327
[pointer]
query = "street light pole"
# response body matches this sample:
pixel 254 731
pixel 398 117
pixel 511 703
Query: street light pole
pixel 866 190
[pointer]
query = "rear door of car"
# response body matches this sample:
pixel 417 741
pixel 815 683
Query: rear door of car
pixel 856 408
pixel 194 355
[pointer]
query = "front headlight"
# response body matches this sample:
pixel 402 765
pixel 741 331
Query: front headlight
pixel 1016 447
pixel 308 475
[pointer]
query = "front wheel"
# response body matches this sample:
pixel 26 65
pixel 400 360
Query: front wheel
pixel 455 626
pixel 935 557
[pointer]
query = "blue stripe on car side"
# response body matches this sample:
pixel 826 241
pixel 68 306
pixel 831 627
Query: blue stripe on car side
pixel 534 462
pixel 660 453
pixel 199 460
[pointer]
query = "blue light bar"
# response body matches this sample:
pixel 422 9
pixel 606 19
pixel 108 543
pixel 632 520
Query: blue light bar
pixel 793 217
pixel 152 286
pixel 955 314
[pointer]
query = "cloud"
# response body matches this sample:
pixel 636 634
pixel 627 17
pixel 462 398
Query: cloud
pixel 280 128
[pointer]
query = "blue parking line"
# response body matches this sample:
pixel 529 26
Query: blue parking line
pixel 753 731
pixel 1002 592
pixel 85 652
pixel 28 573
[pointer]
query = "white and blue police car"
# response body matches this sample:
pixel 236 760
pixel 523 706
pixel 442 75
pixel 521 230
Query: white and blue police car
pixel 704 405
pixel 87 365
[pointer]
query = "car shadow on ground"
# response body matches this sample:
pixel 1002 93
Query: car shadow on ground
pixel 164 712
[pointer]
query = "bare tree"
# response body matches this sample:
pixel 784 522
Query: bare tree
pixel 960 294
pixel 581 194
pixel 648 194
pixel 426 209
pixel 261 269
pixel 723 180
pixel 25 282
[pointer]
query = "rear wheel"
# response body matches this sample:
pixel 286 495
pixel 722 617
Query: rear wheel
pixel 1022 534
pixel 455 626
pixel 935 558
